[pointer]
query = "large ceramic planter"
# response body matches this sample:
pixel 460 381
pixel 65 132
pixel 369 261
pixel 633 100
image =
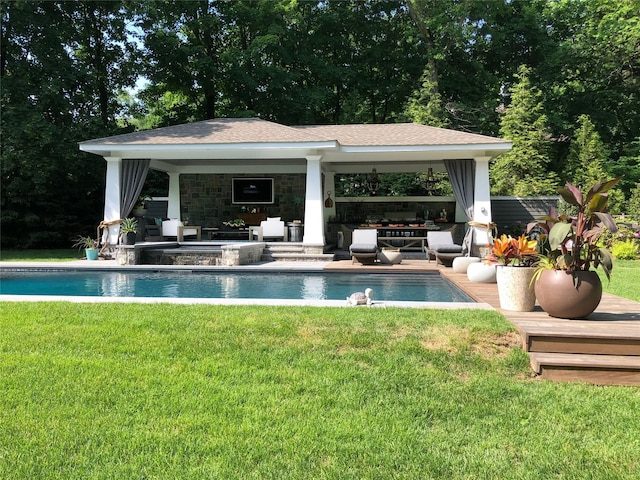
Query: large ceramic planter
pixel 515 289
pixel 566 295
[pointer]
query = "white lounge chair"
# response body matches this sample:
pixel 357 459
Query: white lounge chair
pixel 441 246
pixel 269 229
pixel 175 228
pixel 364 245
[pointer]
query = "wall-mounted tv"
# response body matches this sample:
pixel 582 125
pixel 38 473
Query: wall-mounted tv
pixel 252 190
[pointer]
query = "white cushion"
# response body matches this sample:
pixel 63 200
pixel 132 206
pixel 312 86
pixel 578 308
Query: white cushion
pixel 481 273
pixel 460 264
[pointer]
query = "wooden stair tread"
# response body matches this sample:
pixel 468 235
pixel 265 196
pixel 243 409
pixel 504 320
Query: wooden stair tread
pixel 627 362
pixel 584 329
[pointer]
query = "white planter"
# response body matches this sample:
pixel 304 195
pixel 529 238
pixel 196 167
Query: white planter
pixel 515 289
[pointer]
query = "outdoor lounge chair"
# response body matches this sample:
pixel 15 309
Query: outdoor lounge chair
pixel 364 246
pixel 175 228
pixel 440 245
pixel 269 229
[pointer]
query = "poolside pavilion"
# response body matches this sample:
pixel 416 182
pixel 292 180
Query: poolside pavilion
pixel 255 147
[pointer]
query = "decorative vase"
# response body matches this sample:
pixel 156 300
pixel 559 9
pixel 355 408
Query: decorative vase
pixel 569 295
pixel 91 253
pixel 515 289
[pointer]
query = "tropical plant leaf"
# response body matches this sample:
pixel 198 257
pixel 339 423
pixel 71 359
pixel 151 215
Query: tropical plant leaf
pixel 598 203
pixel 607 220
pixel 569 197
pixel 604 259
pixel 559 233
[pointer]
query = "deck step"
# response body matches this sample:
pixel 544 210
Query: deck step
pixel 596 369
pixel 587 337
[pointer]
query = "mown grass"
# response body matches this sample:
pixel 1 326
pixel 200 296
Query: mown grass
pixel 51 255
pixel 168 391
pixel 625 279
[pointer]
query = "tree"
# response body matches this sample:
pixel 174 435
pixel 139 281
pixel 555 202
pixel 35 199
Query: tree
pixel 633 205
pixel 524 170
pixel 59 80
pixel 425 106
pixel 587 157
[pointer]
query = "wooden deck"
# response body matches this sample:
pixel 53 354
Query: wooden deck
pixel 602 349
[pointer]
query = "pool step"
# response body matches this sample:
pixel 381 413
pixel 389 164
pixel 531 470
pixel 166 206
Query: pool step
pixel 293 253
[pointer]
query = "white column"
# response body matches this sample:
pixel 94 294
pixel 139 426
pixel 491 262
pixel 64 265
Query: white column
pixel 314 204
pixel 112 196
pixel 482 201
pixel 173 205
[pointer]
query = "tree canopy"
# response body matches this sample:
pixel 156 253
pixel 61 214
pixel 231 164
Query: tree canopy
pixel 532 71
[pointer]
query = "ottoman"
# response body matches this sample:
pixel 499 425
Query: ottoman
pixel 460 264
pixel 481 273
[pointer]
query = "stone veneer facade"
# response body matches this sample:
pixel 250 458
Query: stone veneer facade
pixel 206 198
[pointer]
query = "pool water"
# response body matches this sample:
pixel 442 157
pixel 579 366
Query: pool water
pixel 430 287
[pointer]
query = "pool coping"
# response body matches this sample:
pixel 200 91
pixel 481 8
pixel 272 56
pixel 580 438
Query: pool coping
pixel 281 266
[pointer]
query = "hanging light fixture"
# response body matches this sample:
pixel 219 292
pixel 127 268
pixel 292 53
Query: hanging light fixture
pixel 373 182
pixel 430 182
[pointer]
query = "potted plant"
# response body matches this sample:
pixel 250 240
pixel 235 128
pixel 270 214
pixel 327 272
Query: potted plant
pixel 90 246
pixel 515 260
pixel 565 284
pixel 140 210
pixel 128 231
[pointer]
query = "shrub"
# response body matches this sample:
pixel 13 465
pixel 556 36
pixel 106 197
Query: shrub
pixel 627 250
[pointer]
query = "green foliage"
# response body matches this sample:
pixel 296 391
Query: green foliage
pixel 626 250
pixel 574 239
pixel 633 205
pixel 426 104
pixel 129 225
pixel 586 160
pixel 66 69
pixel 524 169
pixel 61 64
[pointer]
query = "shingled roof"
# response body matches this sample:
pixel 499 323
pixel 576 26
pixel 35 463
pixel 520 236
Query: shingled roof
pixel 216 131
pixel 396 134
pixel 254 130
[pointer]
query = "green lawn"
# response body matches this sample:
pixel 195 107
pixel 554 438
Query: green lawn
pixel 625 279
pixel 167 391
pixel 61 255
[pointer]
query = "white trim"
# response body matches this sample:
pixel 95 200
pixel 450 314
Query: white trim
pixel 133 147
pixel 506 146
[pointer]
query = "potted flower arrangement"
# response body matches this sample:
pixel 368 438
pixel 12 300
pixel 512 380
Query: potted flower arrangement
pixel 565 284
pixel 90 246
pixel 129 231
pixel 515 260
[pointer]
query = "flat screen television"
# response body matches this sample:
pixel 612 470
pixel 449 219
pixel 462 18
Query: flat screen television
pixel 252 190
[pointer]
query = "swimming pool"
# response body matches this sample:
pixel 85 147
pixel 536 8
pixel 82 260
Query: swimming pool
pixel 414 287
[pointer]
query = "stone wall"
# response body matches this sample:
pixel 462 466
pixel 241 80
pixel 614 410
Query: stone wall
pixel 205 199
